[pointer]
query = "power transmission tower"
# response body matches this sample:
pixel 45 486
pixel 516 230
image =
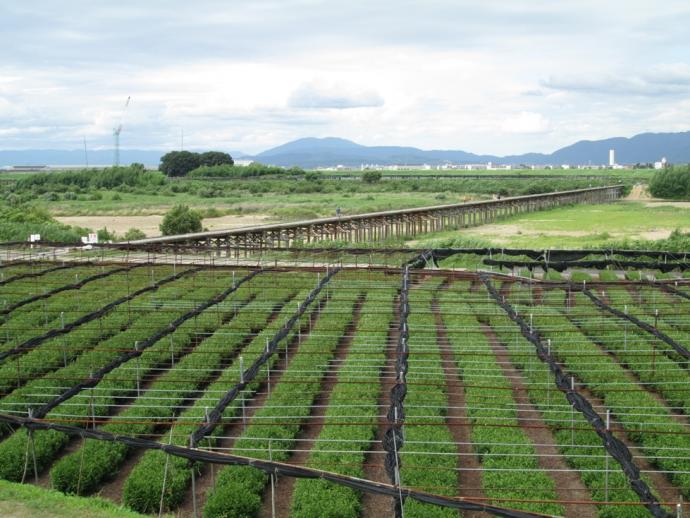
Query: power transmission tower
pixel 116 134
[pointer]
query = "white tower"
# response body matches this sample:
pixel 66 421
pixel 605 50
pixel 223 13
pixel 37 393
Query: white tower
pixel 612 157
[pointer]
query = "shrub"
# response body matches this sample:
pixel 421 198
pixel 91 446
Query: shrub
pixel 181 220
pixel 678 241
pixel 79 181
pixel 671 183
pixel 133 234
pixel 105 235
pixel 210 192
pixel 17 223
pixel 229 171
pixel 13 200
pixel 212 212
pixel 371 176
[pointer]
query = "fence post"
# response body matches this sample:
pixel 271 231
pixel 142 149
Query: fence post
pixel 136 348
pixel 33 448
pixel 397 464
pixel 62 326
pixel 572 413
pixel 165 476
pixel 273 481
pixel 268 368
pixel 625 330
pixel 606 474
pixel 194 506
pixel 244 413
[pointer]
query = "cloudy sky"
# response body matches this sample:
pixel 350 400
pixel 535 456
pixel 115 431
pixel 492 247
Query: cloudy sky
pixel 488 77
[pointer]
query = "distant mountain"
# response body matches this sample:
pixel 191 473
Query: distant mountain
pixel 75 157
pixel 328 152
pixel 645 147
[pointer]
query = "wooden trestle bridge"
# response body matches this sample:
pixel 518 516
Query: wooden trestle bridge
pixel 378 226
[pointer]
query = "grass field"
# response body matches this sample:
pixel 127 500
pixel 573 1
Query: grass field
pixel 132 198
pixel 27 501
pixel 276 205
pixel 577 226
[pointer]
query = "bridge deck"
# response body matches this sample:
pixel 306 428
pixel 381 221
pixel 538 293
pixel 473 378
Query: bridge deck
pixel 380 225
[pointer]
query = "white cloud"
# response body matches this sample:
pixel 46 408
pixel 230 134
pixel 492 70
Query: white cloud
pixel 659 80
pixel 526 122
pixel 340 97
pixel 493 77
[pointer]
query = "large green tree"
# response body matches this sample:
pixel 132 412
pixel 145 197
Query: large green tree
pixel 210 158
pixel 179 163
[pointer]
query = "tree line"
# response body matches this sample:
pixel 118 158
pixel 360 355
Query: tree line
pixel 672 182
pixel 181 163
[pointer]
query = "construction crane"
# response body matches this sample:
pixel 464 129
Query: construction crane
pixel 116 133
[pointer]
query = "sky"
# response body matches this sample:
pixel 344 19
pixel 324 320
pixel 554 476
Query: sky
pixel 497 77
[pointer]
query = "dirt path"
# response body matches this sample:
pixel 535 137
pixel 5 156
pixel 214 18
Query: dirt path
pixel 374 505
pixel 470 483
pixel 638 192
pixel 112 489
pixel 569 486
pixel 150 224
pixel 310 431
pixel 206 479
pixel 44 479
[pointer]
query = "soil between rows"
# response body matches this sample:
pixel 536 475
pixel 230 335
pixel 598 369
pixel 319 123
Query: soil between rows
pixel 309 432
pixel 470 480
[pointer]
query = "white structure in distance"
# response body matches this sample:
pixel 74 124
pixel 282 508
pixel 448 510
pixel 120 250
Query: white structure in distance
pixel 661 164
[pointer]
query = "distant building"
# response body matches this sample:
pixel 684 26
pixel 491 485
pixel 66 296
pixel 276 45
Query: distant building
pixel 612 157
pixel 661 164
pixel 25 168
pixel 242 161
